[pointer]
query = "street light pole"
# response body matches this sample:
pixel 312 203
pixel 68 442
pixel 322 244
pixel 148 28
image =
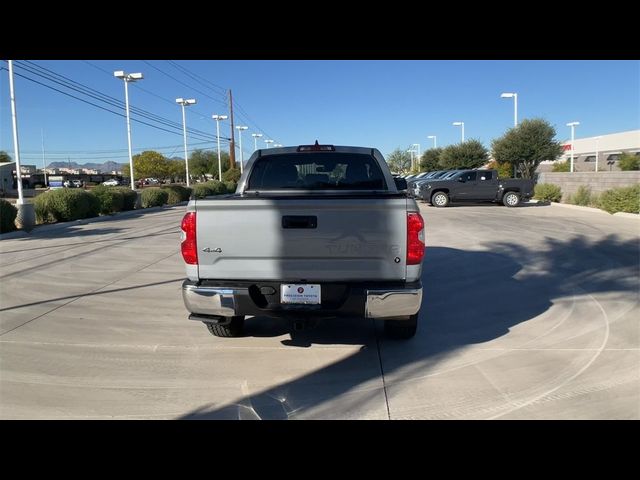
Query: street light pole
pixel 572 125
pixel 435 145
pixel 185 103
pixel 515 106
pixel 240 129
pixel 128 77
pixel 217 118
pixel 16 146
pixel 25 218
pixel 597 150
pixel 460 124
pixel 255 140
pixel 268 142
pixel 44 163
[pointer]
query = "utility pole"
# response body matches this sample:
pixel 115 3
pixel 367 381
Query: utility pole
pixel 232 144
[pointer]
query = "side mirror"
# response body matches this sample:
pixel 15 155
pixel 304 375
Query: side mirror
pixel 401 183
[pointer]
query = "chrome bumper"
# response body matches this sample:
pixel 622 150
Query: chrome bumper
pixel 212 300
pixel 223 302
pixel 394 303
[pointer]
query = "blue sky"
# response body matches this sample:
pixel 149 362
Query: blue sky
pixel 384 104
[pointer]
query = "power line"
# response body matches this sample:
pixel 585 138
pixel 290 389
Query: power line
pixel 95 105
pixel 196 77
pixel 137 86
pixel 182 83
pixel 243 113
pixel 92 93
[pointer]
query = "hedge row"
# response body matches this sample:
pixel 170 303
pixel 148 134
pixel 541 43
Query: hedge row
pixel 625 199
pixel 214 187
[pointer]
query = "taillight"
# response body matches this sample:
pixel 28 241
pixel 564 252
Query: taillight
pixel 189 245
pixel 415 238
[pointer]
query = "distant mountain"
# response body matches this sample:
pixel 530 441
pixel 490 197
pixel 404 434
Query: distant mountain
pixel 105 167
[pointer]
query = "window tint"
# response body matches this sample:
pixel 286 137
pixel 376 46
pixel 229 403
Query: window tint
pixel 317 171
pixel 470 176
pixel 485 175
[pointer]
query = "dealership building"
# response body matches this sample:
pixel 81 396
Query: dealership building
pixel 600 153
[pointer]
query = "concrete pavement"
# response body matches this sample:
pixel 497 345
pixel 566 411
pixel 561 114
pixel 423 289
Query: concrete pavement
pixel 528 313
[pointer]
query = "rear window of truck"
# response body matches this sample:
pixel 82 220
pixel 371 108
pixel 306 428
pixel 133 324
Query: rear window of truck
pixel 317 171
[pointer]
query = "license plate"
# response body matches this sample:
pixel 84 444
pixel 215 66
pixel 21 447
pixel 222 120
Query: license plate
pixel 305 294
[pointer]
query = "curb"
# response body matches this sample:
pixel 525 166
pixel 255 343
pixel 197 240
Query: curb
pixel 104 218
pixel 627 215
pixel 578 207
pixel 591 209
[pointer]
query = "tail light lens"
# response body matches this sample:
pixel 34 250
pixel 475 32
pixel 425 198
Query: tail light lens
pixel 415 238
pixel 189 245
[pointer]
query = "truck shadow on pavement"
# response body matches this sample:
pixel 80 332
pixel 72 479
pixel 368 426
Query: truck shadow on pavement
pixel 470 297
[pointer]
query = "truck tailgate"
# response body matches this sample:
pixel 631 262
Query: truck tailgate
pixel 302 239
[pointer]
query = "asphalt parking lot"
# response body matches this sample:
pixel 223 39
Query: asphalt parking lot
pixel 529 312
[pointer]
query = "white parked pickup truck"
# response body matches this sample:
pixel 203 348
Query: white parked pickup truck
pixel 312 231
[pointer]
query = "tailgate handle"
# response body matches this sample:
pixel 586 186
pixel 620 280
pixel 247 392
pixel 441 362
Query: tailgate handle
pixel 299 221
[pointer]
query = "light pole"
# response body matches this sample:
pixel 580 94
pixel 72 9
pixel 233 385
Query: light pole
pixel 128 77
pixel 276 145
pixel 268 142
pixel 597 150
pixel 256 136
pixel 418 152
pixel 44 163
pixel 185 103
pixel 435 145
pixel 411 152
pixel 240 129
pixel 515 106
pixel 460 124
pixel 573 131
pixel 25 218
pixel 217 118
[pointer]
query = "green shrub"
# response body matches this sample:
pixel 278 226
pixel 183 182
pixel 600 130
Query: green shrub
pixel 44 207
pixel 63 205
pixel 111 199
pixel 202 190
pixel 548 192
pixel 629 161
pixel 582 196
pixel 130 197
pixel 217 188
pixel 177 194
pixel 562 166
pixel 626 199
pixel 7 216
pixel 231 175
pixel 230 186
pixel 154 197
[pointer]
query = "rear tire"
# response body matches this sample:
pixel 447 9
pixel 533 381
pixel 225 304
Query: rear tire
pixel 401 329
pixel 234 328
pixel 440 199
pixel 511 199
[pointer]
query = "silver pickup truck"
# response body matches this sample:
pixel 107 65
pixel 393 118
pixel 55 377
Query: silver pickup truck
pixel 312 231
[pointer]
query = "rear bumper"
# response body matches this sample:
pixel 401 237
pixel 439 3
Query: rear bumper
pixel 379 300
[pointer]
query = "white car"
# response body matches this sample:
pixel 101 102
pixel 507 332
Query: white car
pixel 111 183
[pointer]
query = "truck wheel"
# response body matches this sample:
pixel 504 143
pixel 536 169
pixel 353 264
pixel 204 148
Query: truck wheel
pixel 511 199
pixel 402 329
pixel 234 328
pixel 440 199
